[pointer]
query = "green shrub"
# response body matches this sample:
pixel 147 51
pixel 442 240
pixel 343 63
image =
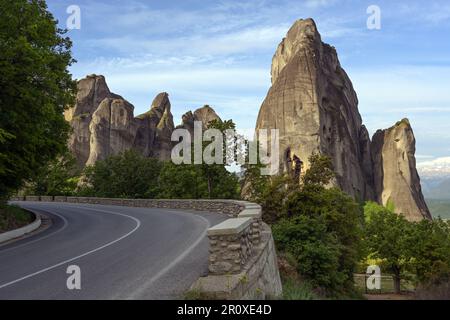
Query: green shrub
pixel 127 175
pixel 420 249
pixel 13 217
pixel 322 229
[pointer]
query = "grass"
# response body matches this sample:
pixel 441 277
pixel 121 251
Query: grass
pixel 387 285
pixel 439 208
pixel 13 217
pixel 294 289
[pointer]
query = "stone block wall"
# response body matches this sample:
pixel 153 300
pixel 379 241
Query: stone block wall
pixel 231 246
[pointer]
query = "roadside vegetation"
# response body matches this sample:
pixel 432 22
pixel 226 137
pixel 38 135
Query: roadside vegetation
pixel 13 217
pixel 131 175
pixel 326 238
pixel 36 86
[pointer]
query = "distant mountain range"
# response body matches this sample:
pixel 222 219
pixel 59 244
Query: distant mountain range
pixel 435 178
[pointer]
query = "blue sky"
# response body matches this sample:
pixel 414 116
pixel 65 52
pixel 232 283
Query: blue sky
pixel 219 53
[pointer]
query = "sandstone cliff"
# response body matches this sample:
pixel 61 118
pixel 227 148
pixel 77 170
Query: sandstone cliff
pixel 103 124
pixel 91 91
pixel 396 177
pixel 204 114
pixel 313 104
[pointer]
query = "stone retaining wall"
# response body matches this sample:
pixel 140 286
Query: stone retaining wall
pixel 242 260
pixel 258 279
pixel 230 207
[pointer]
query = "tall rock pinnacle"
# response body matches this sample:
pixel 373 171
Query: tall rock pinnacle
pixel 313 104
pixel 396 177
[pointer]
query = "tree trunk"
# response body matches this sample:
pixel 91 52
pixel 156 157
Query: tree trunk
pixel 209 187
pixel 396 279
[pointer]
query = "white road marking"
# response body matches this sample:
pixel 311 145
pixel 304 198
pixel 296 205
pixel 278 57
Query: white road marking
pixel 138 224
pixel 163 271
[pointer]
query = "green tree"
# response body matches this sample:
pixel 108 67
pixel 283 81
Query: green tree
pixel 59 177
pixel 431 251
pixel 220 182
pixel 35 88
pixel 389 237
pixel 320 227
pixel 126 175
pixel 253 183
pixel 315 250
pixel 329 224
pixel 319 173
pixel 184 181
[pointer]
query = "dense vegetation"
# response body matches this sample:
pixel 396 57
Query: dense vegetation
pixel 35 88
pixel 318 227
pixel 326 236
pixel 131 175
pixel 417 250
pixel 13 217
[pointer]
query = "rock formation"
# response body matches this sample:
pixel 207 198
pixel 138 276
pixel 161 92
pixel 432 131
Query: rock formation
pixel 396 177
pixel 103 124
pixel 91 91
pixel 313 104
pixel 154 129
pixel 204 114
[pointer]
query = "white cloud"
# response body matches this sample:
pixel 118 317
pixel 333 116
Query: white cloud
pixel 438 167
pixel 235 91
pixel 242 41
pixel 403 88
pixel 319 3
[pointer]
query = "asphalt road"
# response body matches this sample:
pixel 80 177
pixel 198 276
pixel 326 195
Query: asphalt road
pixel 122 252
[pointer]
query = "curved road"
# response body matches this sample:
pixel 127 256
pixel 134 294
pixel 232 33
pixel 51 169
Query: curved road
pixel 122 252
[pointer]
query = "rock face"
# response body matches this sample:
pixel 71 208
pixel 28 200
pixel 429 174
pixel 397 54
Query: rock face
pixel 92 90
pixel 154 129
pixel 103 124
pixel 396 177
pixel 313 104
pixel 204 114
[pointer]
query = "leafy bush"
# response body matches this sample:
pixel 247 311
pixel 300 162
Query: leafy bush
pixel 321 228
pixel 389 237
pixel 58 178
pixel 194 182
pixel 431 252
pixel 13 217
pixel 131 175
pixel 421 249
pixel 127 175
